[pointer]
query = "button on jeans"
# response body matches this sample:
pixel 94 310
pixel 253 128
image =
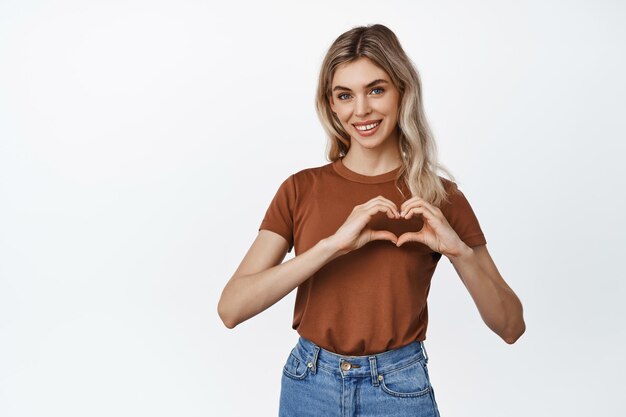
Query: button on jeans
pixel 320 383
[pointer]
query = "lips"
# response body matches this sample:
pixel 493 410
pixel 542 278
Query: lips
pixel 371 131
pixel 367 122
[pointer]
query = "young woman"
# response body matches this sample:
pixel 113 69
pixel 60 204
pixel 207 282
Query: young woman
pixel 368 230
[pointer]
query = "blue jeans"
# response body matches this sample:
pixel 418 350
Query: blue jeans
pixel 320 383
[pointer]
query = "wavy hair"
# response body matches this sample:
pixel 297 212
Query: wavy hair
pixel 416 143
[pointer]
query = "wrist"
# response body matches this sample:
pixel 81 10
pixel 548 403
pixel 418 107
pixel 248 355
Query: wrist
pixel 332 247
pixel 461 252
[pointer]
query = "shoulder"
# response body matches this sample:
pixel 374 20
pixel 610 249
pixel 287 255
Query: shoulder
pixel 315 171
pixel 451 188
pixel 455 198
pixel 311 175
pixel 297 184
pixel 448 184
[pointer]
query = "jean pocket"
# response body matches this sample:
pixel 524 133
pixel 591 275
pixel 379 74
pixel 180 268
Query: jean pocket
pixel 409 381
pixel 295 367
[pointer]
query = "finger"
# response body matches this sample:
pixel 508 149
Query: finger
pixel 426 214
pixel 409 237
pixel 386 202
pixel 414 200
pixel 407 203
pixel 429 205
pixel 382 235
pixel 418 207
pixel 378 207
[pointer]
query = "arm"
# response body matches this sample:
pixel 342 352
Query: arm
pixel 261 279
pixel 498 305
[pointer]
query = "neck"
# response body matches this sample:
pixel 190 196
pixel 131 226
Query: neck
pixel 374 161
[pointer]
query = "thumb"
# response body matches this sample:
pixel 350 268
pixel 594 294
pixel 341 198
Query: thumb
pixel 383 235
pixel 409 237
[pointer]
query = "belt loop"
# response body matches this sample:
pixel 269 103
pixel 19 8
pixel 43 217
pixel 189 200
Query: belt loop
pixel 424 350
pixel 373 370
pixel 316 350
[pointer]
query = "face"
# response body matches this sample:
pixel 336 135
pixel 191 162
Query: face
pixel 363 93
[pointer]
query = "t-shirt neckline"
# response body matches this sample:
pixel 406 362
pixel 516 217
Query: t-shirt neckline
pixel 347 173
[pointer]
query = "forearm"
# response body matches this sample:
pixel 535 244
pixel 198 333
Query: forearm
pixel 249 295
pixel 499 307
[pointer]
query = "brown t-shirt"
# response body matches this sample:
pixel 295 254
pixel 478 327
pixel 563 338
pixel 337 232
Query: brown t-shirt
pixel 372 299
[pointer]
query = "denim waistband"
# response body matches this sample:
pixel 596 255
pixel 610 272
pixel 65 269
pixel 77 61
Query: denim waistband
pixel 359 366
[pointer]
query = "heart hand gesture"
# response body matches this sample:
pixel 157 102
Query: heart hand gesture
pixel 436 232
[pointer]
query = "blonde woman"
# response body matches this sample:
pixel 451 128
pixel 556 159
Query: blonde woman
pixel 368 230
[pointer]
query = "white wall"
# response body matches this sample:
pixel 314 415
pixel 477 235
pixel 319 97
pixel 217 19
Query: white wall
pixel 141 142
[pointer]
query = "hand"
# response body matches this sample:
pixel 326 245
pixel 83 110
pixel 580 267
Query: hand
pixel 353 234
pixel 436 233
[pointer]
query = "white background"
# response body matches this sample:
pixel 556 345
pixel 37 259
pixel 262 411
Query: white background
pixel 141 142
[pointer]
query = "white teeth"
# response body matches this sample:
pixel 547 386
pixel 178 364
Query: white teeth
pixel 368 127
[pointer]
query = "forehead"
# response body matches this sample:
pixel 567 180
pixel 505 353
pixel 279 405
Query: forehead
pixel 358 73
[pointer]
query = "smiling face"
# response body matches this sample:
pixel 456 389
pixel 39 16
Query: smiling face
pixel 366 102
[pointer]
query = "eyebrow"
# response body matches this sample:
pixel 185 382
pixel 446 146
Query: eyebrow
pixel 373 83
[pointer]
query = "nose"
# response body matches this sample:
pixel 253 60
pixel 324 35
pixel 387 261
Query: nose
pixel 362 107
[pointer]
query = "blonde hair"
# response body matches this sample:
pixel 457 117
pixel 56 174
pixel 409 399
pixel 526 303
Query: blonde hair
pixel 416 143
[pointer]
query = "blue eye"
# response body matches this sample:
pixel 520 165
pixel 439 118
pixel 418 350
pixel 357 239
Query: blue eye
pixel 382 90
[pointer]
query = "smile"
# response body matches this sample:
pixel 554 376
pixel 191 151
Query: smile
pixel 368 130
pixel 367 127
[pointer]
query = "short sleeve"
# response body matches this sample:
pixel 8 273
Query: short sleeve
pixel 279 215
pixel 462 218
